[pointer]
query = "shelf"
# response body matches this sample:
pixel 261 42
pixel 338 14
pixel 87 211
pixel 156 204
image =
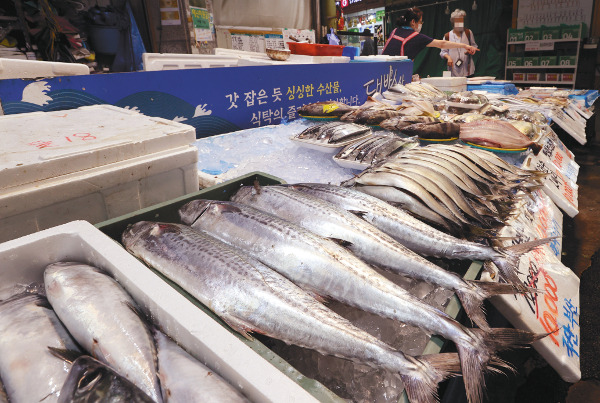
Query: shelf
pixel 544 40
pixel 544 82
pixel 540 67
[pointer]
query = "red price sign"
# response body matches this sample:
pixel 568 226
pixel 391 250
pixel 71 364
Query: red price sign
pixel 344 3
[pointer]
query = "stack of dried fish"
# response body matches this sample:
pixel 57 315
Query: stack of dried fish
pixel 372 150
pixel 454 187
pixel 496 133
pixel 400 122
pixel 414 91
pixel 333 133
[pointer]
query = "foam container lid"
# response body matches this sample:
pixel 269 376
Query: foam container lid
pixel 23 261
pixel 14 68
pixel 445 81
pixel 42 145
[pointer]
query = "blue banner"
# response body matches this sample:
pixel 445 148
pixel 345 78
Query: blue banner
pixel 212 100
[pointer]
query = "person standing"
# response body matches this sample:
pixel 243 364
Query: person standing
pixel 459 60
pixel 406 39
pixel 369 47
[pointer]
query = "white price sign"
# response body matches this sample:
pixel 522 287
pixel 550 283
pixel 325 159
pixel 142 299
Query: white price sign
pixel 533 45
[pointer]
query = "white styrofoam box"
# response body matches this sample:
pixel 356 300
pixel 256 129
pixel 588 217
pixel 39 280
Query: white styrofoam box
pixel 23 260
pixel 100 193
pixel 14 68
pixel 42 145
pixel 455 84
pixel 236 53
pixel 177 61
pixel 555 310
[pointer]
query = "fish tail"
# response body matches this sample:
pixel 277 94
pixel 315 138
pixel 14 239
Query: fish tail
pixel 472 297
pixel 479 356
pixel 508 260
pixel 423 388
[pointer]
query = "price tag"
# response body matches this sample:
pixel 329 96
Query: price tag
pixel 546 45
pixel 532 46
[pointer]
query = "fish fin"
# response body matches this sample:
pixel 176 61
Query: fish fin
pixel 508 261
pixel 257 186
pixel 65 354
pixel 341 242
pixel 240 326
pixel 423 389
pixel 472 302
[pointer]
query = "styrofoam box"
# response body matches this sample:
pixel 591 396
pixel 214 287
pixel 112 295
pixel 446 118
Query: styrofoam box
pixel 454 84
pixel 42 145
pixel 100 193
pixel 176 61
pixel 23 261
pixel 14 68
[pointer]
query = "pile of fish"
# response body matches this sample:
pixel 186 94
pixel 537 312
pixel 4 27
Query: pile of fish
pixel 85 341
pixel 455 187
pixel 334 133
pixel 440 131
pixel 372 150
pixel 498 134
pixel 265 261
pixel 413 91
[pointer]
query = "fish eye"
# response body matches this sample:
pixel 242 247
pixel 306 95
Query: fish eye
pixel 89 379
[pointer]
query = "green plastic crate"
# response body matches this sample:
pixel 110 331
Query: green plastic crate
pixel 515 35
pixel 168 212
pixel 547 60
pixel 514 61
pixel 550 32
pixel 531 34
pixel 569 31
pixel 567 61
pixel 531 61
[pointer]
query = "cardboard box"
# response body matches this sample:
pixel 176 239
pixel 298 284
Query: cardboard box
pixel 550 32
pixel 514 61
pixel 531 61
pixel 547 60
pixel 567 60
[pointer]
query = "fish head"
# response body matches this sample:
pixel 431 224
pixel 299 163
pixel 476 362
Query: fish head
pixel 191 211
pixel 89 380
pixel 143 230
pixel 244 193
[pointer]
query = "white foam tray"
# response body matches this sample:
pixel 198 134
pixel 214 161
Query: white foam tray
pixel 99 193
pixel 15 68
pixel 177 61
pixel 42 145
pixel 23 260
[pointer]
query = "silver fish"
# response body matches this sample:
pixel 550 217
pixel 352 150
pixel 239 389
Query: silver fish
pixel 365 240
pixel 399 181
pixel 99 315
pixel 249 296
pixel 184 379
pixel 91 381
pixel 320 265
pixel 416 235
pixel 30 372
pixel 405 201
pixel 334 132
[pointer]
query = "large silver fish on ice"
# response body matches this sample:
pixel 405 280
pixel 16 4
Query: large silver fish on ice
pixel 366 241
pixel 91 381
pixel 415 234
pixel 184 379
pixel 29 371
pixel 100 316
pixel 327 269
pixel 252 297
